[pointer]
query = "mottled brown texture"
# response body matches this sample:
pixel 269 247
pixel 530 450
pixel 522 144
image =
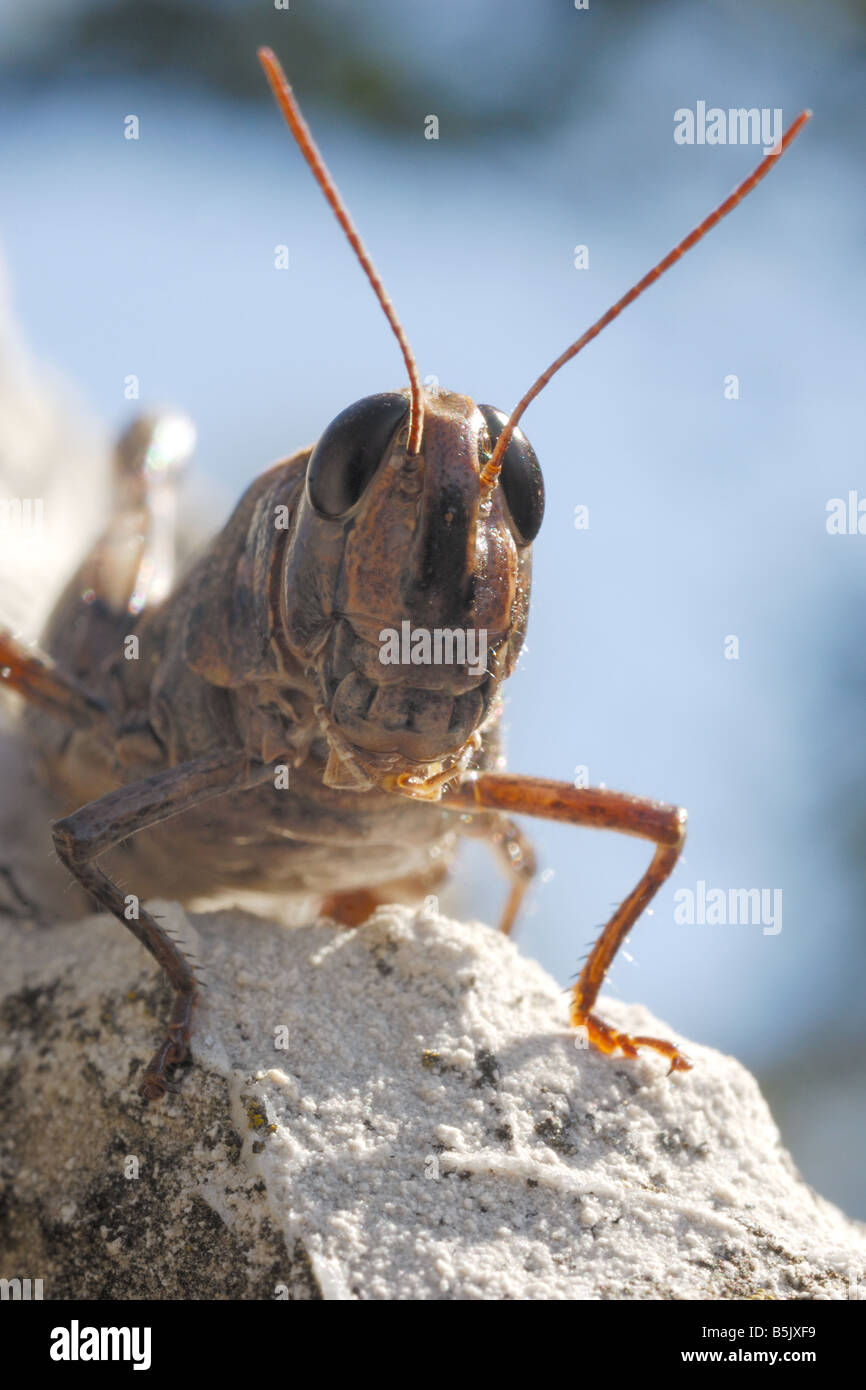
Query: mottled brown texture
pixel 259 660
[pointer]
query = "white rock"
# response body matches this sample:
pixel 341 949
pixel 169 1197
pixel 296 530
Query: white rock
pixel 421 1137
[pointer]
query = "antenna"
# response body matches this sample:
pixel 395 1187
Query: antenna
pixel 307 145
pixel 490 472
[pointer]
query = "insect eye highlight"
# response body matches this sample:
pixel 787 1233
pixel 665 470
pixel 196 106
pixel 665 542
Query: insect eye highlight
pixel 350 450
pixel 520 479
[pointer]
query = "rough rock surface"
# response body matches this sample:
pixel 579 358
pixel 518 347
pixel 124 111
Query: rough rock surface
pixel 395 1112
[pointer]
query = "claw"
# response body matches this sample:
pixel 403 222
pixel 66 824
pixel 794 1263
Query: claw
pixel 178 1043
pixel 153 1088
pixel 607 1039
pixel 155 1083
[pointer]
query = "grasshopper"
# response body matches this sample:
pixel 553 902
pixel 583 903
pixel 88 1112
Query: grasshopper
pixel 263 738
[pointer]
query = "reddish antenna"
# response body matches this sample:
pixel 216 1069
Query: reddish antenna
pixel 307 145
pixel 490 472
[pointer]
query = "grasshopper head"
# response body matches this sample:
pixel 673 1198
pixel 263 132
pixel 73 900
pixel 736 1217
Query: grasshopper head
pixel 423 508
pixel 407 583
pixel 406 578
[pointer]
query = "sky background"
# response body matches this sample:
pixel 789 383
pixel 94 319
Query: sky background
pixel 707 516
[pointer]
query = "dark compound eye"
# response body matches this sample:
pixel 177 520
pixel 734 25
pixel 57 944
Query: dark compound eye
pixel 520 479
pixel 350 450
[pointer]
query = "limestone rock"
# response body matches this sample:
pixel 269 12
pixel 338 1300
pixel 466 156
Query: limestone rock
pixel 398 1112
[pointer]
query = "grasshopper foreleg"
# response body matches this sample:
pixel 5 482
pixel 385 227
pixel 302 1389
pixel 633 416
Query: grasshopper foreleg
pixel 594 806
pixel 98 826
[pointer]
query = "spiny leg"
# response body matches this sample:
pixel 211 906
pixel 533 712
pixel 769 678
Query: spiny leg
pixel 608 810
pixel 98 826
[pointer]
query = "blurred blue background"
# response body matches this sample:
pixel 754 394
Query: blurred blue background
pixel 707 515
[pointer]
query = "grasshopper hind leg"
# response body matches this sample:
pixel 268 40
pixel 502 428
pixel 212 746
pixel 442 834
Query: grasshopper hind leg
pixel 150 460
pixel 130 567
pixel 132 564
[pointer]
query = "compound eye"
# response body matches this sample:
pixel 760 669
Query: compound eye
pixel 350 450
pixel 520 479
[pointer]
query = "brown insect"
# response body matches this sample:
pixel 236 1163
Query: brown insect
pixel 410 523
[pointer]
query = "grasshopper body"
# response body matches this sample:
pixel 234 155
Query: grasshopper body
pixel 313 708
pixel 270 644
